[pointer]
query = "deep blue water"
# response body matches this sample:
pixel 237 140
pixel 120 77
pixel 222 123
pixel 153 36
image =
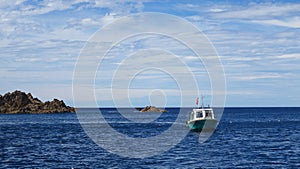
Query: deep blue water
pixel 245 137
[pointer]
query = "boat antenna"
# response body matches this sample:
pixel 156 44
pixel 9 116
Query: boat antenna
pixel 202 105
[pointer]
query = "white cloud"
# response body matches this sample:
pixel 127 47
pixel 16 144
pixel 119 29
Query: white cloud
pixel 242 92
pixel 16 9
pixel 266 10
pixel 239 58
pixel 216 10
pixel 108 18
pixel 289 56
pixel 191 58
pixel 256 77
pixel 89 21
pixel 194 18
pixel 293 22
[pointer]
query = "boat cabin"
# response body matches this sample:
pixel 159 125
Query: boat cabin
pixel 198 114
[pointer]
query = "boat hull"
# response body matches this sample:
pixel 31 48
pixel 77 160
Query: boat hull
pixel 203 125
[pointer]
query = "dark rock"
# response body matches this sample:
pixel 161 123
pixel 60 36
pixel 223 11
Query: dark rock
pixel 20 102
pixel 152 109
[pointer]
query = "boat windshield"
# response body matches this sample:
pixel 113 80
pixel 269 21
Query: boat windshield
pixel 199 115
pixel 208 114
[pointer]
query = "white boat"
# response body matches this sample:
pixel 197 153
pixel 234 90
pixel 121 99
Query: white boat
pixel 202 119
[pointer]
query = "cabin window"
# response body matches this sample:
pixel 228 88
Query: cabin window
pixel 199 115
pixel 208 114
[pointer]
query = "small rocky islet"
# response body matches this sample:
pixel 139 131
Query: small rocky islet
pixel 19 102
pixel 152 109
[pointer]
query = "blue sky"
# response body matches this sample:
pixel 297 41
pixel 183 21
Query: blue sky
pixel 258 43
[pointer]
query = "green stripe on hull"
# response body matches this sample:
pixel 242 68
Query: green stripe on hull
pixel 197 125
pixel 203 125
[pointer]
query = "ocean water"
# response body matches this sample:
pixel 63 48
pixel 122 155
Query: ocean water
pixel 245 137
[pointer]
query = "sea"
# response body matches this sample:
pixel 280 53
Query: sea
pixel 244 138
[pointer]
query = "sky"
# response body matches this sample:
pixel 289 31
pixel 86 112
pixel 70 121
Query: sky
pixel 258 44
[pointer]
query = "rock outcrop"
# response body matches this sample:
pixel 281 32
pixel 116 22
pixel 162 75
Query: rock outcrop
pixel 19 102
pixel 152 109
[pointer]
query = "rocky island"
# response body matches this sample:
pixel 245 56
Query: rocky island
pixel 152 109
pixel 19 102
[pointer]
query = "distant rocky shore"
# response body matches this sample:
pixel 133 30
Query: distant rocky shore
pixel 152 109
pixel 19 102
